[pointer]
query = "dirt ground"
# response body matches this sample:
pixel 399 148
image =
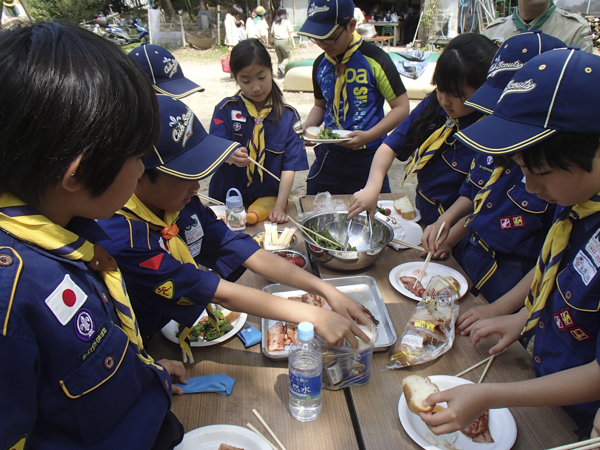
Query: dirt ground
pixel 219 85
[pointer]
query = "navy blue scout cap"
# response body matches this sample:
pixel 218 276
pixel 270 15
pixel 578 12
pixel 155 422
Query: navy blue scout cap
pixel 512 56
pixel 164 71
pixel 324 17
pixel 184 149
pixel 555 91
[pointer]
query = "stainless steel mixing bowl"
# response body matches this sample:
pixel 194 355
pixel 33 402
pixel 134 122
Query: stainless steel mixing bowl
pixel 336 223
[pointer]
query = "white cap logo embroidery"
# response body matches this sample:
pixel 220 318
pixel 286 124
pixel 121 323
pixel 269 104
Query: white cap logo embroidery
pixel 182 127
pixel 518 87
pixel 316 9
pixel 171 66
pixel 501 66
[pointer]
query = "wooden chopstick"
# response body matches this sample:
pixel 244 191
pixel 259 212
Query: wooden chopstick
pixel 487 367
pixel 407 244
pixel 253 428
pixel 474 366
pixel 308 230
pixel 206 198
pixel 263 168
pixel 582 445
pixel 429 255
pixel 268 429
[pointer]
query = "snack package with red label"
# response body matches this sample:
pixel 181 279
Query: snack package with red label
pixel 429 332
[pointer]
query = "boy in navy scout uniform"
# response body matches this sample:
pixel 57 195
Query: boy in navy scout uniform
pixel 499 227
pixel 75 373
pixel 545 121
pixel 164 232
pixel 164 71
pixel 351 80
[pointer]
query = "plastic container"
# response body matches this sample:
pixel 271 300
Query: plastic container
pixel 235 214
pixel 305 363
pixel 260 209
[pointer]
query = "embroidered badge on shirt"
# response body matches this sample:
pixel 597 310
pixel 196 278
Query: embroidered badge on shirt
pixel 580 334
pixel 593 248
pixel 184 302
pixel 489 160
pixel 508 222
pixel 237 126
pixel 237 115
pixel 66 300
pixel 193 236
pixel 584 267
pixel 298 127
pixel 217 121
pixel 563 319
pixel 165 289
pixel 153 263
pixel 85 327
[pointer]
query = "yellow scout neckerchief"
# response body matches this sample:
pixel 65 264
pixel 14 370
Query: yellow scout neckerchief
pixel 552 253
pixel 483 194
pixel 19 219
pixel 256 147
pixel 429 147
pixel 340 83
pixel 135 210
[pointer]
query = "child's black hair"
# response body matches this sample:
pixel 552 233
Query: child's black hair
pixel 563 150
pixel 66 92
pixel 252 51
pixel 464 62
pixel 281 15
pixel 236 10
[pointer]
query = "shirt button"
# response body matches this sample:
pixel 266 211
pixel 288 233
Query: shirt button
pixel 109 362
pixel 524 203
pixel 537 359
pixel 480 182
pixel 542 325
pixel 454 164
pixel 568 295
pixel 5 260
pixel 507 171
pixel 489 205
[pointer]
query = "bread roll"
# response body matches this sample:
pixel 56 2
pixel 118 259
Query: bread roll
pixel 405 208
pixel 416 389
pixel 312 132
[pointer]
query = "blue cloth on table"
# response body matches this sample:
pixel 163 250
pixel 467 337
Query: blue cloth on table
pixel 218 383
pixel 249 336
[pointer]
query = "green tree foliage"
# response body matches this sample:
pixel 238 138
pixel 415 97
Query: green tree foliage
pixel 73 10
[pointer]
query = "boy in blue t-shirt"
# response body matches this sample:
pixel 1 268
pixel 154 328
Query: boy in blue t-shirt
pixel 351 80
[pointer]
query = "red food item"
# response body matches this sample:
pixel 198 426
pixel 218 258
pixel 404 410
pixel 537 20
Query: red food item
pixel 479 430
pixel 388 211
pixel 409 282
pixel 294 259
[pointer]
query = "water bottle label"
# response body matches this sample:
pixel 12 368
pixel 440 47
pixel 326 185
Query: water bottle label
pixel 305 388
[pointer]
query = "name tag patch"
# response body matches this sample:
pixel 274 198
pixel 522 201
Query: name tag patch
pixel 563 319
pixel 593 249
pixel 193 236
pixel 509 222
pixel 584 267
pixel 66 300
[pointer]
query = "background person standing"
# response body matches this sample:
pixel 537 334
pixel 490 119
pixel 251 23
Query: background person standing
pixel 282 30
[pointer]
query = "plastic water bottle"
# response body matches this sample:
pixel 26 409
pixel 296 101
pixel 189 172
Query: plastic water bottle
pixel 305 362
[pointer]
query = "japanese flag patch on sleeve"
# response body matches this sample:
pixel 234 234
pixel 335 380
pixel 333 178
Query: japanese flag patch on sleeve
pixel 66 300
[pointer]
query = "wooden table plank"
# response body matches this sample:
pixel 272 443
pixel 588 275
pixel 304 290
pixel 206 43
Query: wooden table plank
pixel 377 402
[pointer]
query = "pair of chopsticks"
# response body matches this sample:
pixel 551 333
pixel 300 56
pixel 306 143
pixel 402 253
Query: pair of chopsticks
pixel 308 230
pixel 263 168
pixel 249 425
pixel 407 244
pixel 583 445
pixel 422 272
pixel 208 199
pixel 489 360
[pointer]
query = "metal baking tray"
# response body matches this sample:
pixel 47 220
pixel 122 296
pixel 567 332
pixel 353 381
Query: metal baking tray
pixel 361 288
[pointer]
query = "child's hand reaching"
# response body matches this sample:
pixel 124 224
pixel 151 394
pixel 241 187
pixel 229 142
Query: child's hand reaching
pixel 365 199
pixel 472 316
pixel 239 157
pixel 177 372
pixel 278 215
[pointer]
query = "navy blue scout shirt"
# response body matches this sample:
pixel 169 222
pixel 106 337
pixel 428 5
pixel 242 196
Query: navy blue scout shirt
pixel 69 376
pixel 284 149
pixel 160 287
pixel 440 180
pixel 568 331
pixel 371 78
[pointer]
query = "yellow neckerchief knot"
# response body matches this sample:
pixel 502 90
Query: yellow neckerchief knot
pixel 134 209
pixel 256 147
pixel 21 220
pixel 483 194
pixel 430 146
pixel 551 256
pixel 340 93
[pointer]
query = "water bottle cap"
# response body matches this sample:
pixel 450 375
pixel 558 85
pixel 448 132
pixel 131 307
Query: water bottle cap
pixel 234 201
pixel 306 331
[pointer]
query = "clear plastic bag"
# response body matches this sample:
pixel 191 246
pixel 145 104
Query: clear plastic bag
pixel 324 203
pixel 429 332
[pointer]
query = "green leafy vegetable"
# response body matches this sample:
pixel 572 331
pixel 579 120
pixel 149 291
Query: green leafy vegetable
pixel 323 243
pixel 207 332
pixel 382 211
pixel 328 133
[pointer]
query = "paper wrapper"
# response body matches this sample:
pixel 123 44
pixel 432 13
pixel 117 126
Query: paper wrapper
pixel 429 332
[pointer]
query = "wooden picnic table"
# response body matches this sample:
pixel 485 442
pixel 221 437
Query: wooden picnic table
pixel 363 417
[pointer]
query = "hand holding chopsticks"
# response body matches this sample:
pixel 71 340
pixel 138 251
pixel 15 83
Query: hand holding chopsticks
pixel 422 272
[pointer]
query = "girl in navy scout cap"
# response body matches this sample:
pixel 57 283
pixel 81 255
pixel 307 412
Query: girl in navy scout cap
pixel 440 163
pixel 545 121
pixel 164 232
pixel 74 370
pixel 268 129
